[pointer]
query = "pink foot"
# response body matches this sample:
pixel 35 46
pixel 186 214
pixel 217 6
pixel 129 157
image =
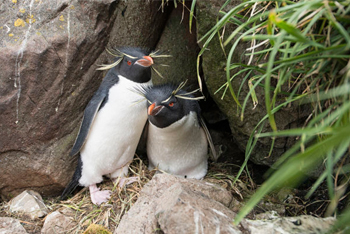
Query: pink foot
pixel 97 196
pixel 123 181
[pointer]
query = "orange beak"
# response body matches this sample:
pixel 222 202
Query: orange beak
pixel 154 110
pixel 146 61
pixel 150 109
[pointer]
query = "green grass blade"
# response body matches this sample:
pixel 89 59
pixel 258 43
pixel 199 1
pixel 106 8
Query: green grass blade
pixel 342 222
pixel 191 14
pixel 293 170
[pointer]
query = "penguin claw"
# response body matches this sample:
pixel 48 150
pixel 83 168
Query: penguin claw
pixel 97 196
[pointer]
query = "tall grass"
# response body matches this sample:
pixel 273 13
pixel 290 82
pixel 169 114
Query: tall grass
pixel 303 48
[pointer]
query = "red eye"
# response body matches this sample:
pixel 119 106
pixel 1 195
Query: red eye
pixel 171 104
pixel 129 62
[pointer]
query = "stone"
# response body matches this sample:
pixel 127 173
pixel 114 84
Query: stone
pixel 29 203
pixel 305 224
pixel 56 222
pixel 214 75
pixel 11 226
pixel 154 206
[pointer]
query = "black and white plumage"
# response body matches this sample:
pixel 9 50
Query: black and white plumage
pixel 177 136
pixel 112 124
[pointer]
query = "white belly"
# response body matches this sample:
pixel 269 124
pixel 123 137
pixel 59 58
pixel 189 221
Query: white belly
pixel 114 134
pixel 180 149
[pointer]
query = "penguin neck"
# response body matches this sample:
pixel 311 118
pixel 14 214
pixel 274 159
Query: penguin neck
pixel 137 74
pixel 124 92
pixel 181 127
pixel 127 82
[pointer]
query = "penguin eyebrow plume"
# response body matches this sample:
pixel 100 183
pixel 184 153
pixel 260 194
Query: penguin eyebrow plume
pixel 109 66
pixel 158 73
pixel 185 95
pixel 127 55
pixel 156 54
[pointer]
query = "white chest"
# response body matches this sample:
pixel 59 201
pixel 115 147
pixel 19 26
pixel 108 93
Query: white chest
pixel 179 149
pixel 117 128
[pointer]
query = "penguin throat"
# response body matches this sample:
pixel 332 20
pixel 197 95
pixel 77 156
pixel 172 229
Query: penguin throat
pixel 138 75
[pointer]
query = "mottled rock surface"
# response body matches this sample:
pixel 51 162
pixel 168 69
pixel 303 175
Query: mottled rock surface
pixel 172 203
pixel 305 224
pixel 29 203
pixel 182 210
pixel 11 226
pixel 56 222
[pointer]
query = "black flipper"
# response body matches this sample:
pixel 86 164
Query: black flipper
pixel 89 115
pixel 73 184
pixel 213 155
pixel 96 103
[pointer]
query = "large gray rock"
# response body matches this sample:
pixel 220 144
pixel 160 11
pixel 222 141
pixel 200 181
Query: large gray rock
pixel 47 76
pixel 214 74
pixel 49 53
pixel 183 210
pixel 172 204
pixel 11 226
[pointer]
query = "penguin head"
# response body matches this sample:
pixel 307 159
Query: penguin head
pixel 132 63
pixel 168 103
pixel 135 65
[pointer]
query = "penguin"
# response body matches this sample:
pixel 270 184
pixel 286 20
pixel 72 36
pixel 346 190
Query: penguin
pixel 112 124
pixel 177 140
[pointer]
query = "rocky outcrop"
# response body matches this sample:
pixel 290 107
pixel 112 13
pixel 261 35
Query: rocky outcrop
pixel 177 205
pixel 49 54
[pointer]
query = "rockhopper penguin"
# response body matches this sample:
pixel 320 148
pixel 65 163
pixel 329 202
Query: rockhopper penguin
pixel 112 124
pixel 178 139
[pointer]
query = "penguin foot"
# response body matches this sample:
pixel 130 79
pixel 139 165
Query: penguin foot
pixel 97 196
pixel 123 181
